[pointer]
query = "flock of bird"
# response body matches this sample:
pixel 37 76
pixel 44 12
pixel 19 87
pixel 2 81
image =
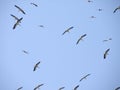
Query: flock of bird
pixel 18 21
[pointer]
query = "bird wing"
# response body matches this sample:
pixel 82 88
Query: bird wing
pixel 36 65
pixel 115 10
pixel 61 88
pixel 38 86
pixel 64 32
pixel 106 52
pixel 20 9
pixel 76 87
pixel 34 4
pixel 117 88
pixel 19 88
pixel 14 17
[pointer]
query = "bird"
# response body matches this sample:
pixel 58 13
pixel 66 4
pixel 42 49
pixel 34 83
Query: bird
pixel 90 1
pixel 80 38
pixel 19 88
pixel 92 17
pixel 84 77
pixel 37 87
pixel 41 26
pixel 34 4
pixel 99 9
pixel 107 40
pixel 117 88
pixel 17 23
pixel 61 88
pixel 36 66
pixel 106 53
pixel 20 9
pixel 16 18
pixel 76 87
pixel 25 52
pixel 116 9
pixel 67 30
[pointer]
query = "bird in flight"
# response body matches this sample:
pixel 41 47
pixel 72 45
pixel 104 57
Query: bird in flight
pixel 34 4
pixel 90 1
pixel 117 88
pixel 67 30
pixel 36 66
pixel 16 18
pixel 106 53
pixel 76 87
pixel 61 88
pixel 17 23
pixel 84 77
pixel 80 38
pixel 19 88
pixel 107 40
pixel 37 87
pixel 20 9
pixel 116 9
pixel 99 9
pixel 25 52
pixel 92 17
pixel 41 26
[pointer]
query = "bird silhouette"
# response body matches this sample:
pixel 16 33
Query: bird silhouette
pixel 106 53
pixel 37 87
pixel 20 9
pixel 116 9
pixel 36 66
pixel 34 4
pixel 67 30
pixel 107 40
pixel 17 23
pixel 19 88
pixel 80 38
pixel 84 77
pixel 61 88
pixel 76 87
pixel 25 52
pixel 117 88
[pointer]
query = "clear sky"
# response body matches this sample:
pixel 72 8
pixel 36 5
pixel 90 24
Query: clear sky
pixel 63 63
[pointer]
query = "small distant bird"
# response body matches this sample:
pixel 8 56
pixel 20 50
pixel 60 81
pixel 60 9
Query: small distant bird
pixel 37 87
pixel 17 23
pixel 67 30
pixel 92 17
pixel 116 9
pixel 25 52
pixel 34 4
pixel 117 88
pixel 99 9
pixel 81 38
pixel 41 26
pixel 61 88
pixel 36 66
pixel 85 77
pixel 19 88
pixel 107 40
pixel 16 18
pixel 76 87
pixel 20 9
pixel 90 1
pixel 106 53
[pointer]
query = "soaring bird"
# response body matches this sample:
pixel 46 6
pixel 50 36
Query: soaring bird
pixel 20 9
pixel 17 23
pixel 107 40
pixel 16 18
pixel 116 9
pixel 76 87
pixel 34 4
pixel 36 66
pixel 92 17
pixel 37 87
pixel 99 9
pixel 84 77
pixel 41 26
pixel 67 30
pixel 117 88
pixel 106 53
pixel 90 1
pixel 80 38
pixel 61 88
pixel 19 88
pixel 25 52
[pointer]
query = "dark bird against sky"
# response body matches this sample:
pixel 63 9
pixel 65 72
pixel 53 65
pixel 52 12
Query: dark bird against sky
pixel 36 66
pixel 16 18
pixel 76 87
pixel 84 77
pixel 68 30
pixel 107 40
pixel 80 38
pixel 117 88
pixel 61 88
pixel 25 52
pixel 19 88
pixel 106 53
pixel 20 9
pixel 37 87
pixel 118 8
pixel 34 4
pixel 17 23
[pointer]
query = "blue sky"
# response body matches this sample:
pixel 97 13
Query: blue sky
pixel 63 63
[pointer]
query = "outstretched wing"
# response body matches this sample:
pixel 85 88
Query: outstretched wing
pixel 106 52
pixel 20 9
pixel 38 86
pixel 17 23
pixel 76 87
pixel 34 4
pixel 80 38
pixel 14 17
pixel 19 88
pixel 117 88
pixel 67 30
pixel 36 65
pixel 61 88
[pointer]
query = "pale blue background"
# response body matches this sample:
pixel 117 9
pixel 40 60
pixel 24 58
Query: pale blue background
pixel 63 63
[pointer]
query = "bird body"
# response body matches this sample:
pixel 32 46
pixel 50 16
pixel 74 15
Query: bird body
pixel 106 53
pixel 20 9
pixel 116 9
pixel 37 87
pixel 80 38
pixel 67 30
pixel 25 52
pixel 85 77
pixel 17 23
pixel 36 66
